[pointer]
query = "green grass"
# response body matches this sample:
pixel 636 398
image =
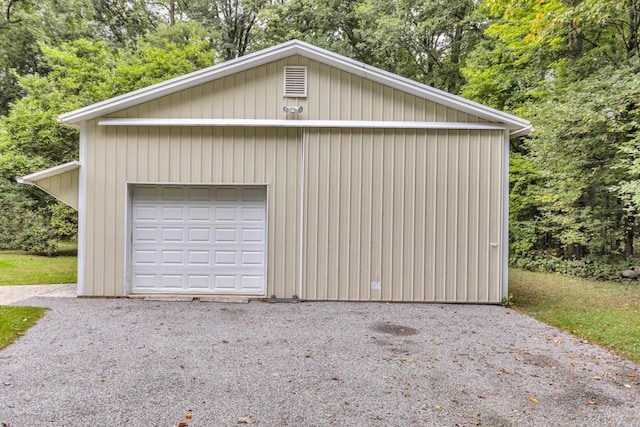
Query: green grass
pixel 19 268
pixel 14 321
pixel 605 313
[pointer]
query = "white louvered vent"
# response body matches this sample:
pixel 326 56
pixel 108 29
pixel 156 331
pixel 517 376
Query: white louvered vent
pixel 295 81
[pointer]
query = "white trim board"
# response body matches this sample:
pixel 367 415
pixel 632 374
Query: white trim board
pixel 353 124
pixel 31 179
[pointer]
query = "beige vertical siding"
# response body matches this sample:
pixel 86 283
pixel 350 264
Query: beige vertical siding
pixel 332 95
pixel 118 155
pixel 63 186
pixel 416 211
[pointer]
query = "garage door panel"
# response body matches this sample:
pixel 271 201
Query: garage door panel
pixel 199 258
pixel 226 194
pixel 145 234
pixel 250 215
pixel 252 194
pixel 171 281
pixel 171 257
pixel 199 240
pixel 252 235
pixel 226 214
pixel 145 213
pixel 198 281
pixel 251 282
pixel 197 214
pixel 255 258
pixel 199 194
pixel 173 193
pixel 145 257
pixel 145 281
pixel 199 234
pixel 172 234
pixel 225 258
pixel 172 213
pixel 147 193
pixel 226 235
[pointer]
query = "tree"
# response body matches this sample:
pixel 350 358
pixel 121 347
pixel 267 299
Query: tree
pixel 570 67
pixel 32 139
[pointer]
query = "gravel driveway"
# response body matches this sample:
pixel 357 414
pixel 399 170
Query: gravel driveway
pixel 117 362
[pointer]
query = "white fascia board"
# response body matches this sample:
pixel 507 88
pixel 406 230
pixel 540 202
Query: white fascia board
pixel 353 124
pixel 294 47
pixel 415 88
pixel 48 173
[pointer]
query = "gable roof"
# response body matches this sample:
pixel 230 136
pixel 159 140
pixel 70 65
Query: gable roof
pixel 516 125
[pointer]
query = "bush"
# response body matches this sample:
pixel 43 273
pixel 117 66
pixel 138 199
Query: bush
pixel 600 268
pixel 33 222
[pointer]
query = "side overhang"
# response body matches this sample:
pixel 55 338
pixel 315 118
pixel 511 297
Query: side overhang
pixel 61 181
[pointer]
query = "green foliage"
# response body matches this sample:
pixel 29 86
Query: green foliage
pixel 32 139
pixel 14 321
pixel 578 188
pixel 570 67
pixel 64 221
pixel 24 223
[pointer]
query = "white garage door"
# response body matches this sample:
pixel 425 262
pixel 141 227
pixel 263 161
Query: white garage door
pixel 198 240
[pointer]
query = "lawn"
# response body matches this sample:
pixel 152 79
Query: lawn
pixel 605 313
pixel 14 321
pixel 19 268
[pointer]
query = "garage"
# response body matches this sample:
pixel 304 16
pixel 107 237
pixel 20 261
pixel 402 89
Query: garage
pixel 291 173
pixel 198 239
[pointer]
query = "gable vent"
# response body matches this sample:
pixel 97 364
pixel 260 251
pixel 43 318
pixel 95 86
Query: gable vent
pixel 295 81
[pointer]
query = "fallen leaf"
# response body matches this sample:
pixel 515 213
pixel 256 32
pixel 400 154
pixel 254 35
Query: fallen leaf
pixel 572 357
pixel 438 406
pixel 630 375
pixel 225 342
pixel 595 377
pixel 533 399
pixel 627 385
pixel 188 416
pixel 614 378
pixel 591 402
pixel 182 424
pixel 438 343
pixel 246 420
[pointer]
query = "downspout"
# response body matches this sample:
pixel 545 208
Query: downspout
pixel 301 243
pixel 82 209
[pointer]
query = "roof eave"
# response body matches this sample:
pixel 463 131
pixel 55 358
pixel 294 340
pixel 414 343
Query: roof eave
pixel 31 179
pixel 293 47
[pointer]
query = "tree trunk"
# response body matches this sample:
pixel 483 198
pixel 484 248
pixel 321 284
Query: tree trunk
pixel 172 12
pixel 629 225
pixel 634 23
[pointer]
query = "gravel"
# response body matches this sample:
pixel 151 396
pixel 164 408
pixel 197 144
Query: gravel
pixel 117 362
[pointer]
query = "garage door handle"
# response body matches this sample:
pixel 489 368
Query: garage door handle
pixel 494 245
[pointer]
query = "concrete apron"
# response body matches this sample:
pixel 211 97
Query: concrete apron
pixel 17 293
